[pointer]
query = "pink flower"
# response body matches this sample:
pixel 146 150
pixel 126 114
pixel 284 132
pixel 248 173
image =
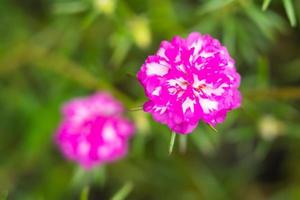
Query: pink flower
pixel 93 130
pixel 189 80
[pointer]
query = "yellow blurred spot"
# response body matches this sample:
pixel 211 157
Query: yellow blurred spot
pixel 141 122
pixel 140 30
pixel 270 127
pixel 105 6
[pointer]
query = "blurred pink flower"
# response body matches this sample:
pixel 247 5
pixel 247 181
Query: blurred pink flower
pixel 189 80
pixel 93 130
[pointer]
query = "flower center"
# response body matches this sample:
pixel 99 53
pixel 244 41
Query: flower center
pixel 200 88
pixel 193 86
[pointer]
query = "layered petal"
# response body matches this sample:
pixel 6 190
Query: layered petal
pixel 93 130
pixel 189 80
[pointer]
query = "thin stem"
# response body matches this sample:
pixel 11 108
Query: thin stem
pixel 273 93
pixel 172 142
pixel 41 58
pixel 85 193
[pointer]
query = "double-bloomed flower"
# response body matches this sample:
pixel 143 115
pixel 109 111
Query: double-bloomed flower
pixel 189 80
pixel 93 130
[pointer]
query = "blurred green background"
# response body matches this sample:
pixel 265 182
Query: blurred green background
pixel 54 50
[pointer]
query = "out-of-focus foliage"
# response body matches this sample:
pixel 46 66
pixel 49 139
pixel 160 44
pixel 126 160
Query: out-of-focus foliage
pixel 51 51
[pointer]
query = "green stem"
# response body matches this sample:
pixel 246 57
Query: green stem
pixel 85 193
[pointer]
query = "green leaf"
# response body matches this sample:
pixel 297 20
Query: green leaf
pixel 229 34
pixel 261 20
pixel 212 128
pixel 212 6
pixel 266 4
pixel 123 192
pixel 290 12
pixel 73 7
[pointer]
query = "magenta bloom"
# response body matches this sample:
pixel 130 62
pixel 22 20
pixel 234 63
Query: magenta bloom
pixel 189 80
pixel 93 130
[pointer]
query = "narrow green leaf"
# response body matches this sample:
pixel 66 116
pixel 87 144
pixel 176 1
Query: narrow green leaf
pixel 289 9
pixel 266 4
pixel 214 5
pixel 261 20
pixel 123 192
pixel 89 19
pixel 172 142
pixel 213 128
pixel 73 7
